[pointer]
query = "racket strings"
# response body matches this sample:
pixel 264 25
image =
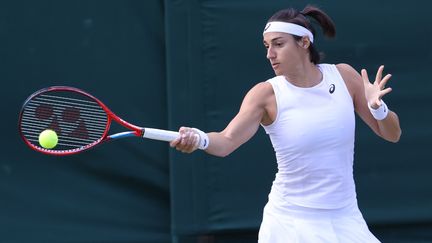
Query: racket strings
pixel 77 119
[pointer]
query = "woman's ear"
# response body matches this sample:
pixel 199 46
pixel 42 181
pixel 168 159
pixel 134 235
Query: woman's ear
pixel 304 42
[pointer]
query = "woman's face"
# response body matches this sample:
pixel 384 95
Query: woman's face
pixel 283 51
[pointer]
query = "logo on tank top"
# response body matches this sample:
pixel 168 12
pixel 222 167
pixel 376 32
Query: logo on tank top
pixel 332 88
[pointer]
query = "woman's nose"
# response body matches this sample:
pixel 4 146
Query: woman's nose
pixel 270 53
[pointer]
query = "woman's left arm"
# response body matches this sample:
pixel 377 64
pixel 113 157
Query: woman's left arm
pixel 367 98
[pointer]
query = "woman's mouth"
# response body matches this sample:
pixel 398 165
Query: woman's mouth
pixel 275 65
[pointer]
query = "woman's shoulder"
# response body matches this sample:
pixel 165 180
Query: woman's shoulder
pixel 351 77
pixel 260 93
pixel 262 88
pixel 346 70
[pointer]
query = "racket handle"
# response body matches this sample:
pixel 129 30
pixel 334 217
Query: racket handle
pixel 159 134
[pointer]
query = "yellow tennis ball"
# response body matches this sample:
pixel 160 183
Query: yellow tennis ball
pixel 48 139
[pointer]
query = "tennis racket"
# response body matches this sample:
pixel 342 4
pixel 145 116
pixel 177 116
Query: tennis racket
pixel 80 120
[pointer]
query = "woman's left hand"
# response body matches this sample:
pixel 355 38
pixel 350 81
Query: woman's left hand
pixel 376 90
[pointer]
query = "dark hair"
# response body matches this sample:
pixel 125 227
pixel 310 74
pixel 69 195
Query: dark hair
pixel 291 15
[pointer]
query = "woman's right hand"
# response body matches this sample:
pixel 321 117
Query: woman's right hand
pixel 187 142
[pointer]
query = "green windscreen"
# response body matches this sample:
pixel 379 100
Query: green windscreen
pixel 172 63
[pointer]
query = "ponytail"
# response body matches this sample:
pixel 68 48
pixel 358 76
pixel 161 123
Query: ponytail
pixel 291 15
pixel 322 18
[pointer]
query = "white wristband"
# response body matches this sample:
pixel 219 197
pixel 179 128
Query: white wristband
pixel 380 113
pixel 204 140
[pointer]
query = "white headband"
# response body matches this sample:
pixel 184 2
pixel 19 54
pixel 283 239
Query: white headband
pixel 288 28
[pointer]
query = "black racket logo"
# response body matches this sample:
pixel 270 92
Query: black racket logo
pixel 64 121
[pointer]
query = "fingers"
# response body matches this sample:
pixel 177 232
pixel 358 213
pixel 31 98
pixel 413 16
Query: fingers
pixel 187 142
pixel 379 74
pixel 175 142
pixel 379 80
pixel 365 76
pixel 374 92
pixel 378 102
pixel 383 82
pixel 188 139
pixel 384 92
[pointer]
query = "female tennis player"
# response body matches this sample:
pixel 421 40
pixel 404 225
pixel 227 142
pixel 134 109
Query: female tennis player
pixel 308 110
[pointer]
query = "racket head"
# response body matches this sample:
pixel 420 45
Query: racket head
pixel 79 119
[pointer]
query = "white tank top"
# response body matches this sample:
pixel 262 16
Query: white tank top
pixel 313 138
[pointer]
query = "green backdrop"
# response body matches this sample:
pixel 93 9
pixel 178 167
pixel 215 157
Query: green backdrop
pixel 170 63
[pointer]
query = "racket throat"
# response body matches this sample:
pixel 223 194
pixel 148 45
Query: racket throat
pixel 125 134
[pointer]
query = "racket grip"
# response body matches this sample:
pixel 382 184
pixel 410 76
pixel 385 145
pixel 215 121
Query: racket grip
pixel 159 134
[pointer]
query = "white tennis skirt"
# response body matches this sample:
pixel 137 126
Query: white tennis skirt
pixel 295 224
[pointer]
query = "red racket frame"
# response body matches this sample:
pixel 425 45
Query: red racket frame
pixel 135 130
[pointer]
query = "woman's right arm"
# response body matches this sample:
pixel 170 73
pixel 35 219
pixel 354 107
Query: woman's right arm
pixel 241 128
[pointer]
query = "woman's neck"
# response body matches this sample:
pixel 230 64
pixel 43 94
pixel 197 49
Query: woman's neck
pixel 304 75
